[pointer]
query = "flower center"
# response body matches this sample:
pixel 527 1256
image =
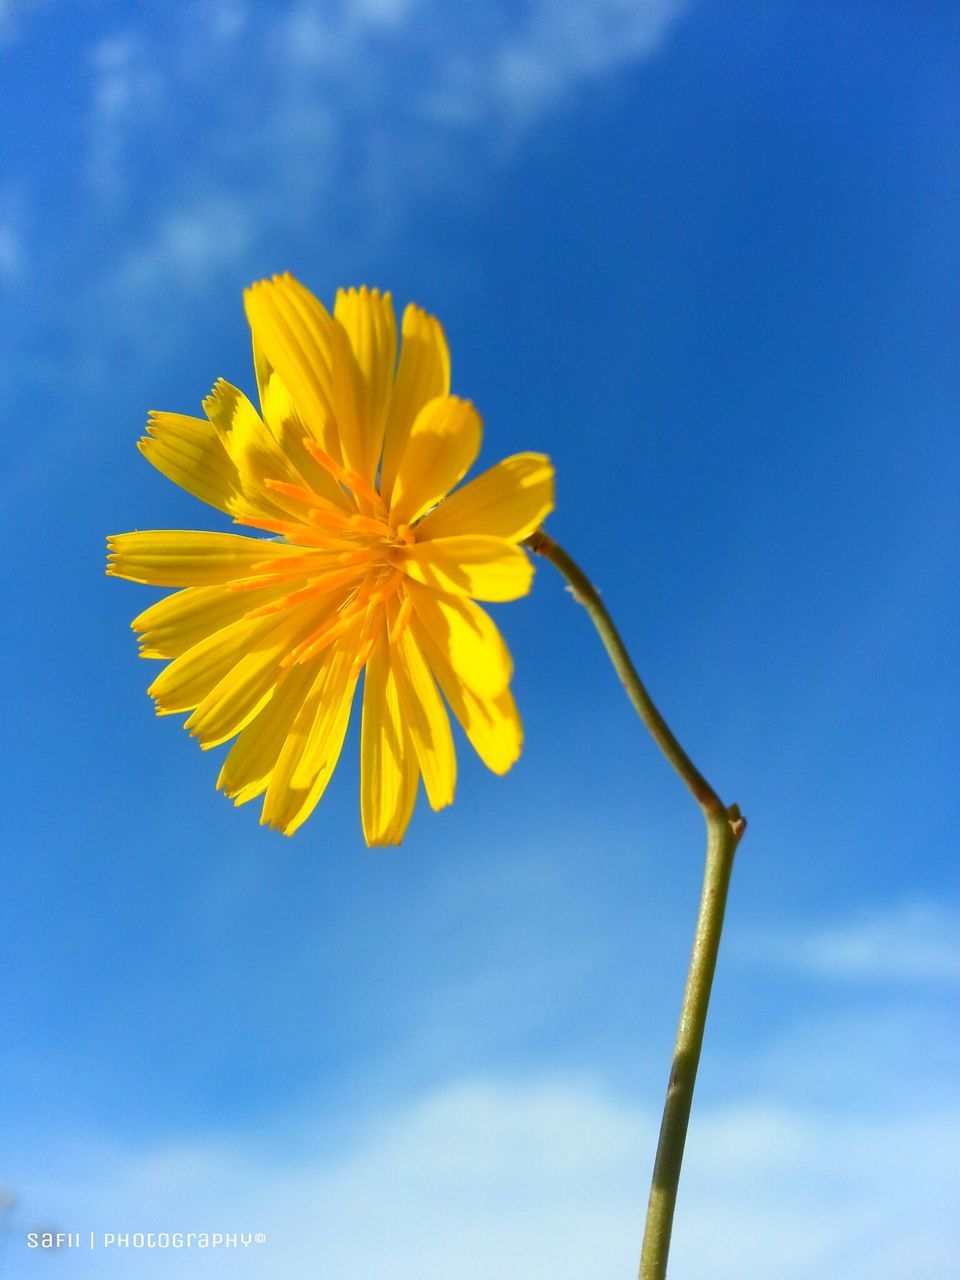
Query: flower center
pixel 351 564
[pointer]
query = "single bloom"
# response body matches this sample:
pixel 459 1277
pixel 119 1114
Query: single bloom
pixel 372 563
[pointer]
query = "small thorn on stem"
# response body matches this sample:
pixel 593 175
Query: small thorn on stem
pixel 738 823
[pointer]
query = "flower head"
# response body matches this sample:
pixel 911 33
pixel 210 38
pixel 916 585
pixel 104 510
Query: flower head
pixel 370 564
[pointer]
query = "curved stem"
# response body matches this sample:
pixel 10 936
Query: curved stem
pixel 725 826
pixel 586 593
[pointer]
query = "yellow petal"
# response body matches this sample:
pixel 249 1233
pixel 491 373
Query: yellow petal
pixel 468 638
pixel 422 374
pixel 288 429
pixel 250 761
pixel 311 352
pixel 184 558
pixel 189 452
pixel 388 762
pixel 187 680
pixel 252 448
pixel 491 724
pixel 294 334
pixel 313 744
pixel 181 620
pixel 339 681
pixel 471 565
pixel 276 403
pixel 444 441
pixel 246 688
pixel 368 319
pixel 408 793
pixel 427 720
pixel 508 501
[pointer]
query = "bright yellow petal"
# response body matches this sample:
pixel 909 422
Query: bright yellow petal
pixel 189 452
pixel 408 792
pixel 252 448
pixel 288 429
pixel 491 724
pixel 313 745
pixel 471 565
pixel 422 374
pixel 444 441
pixel 508 501
pixel 246 688
pixel 388 762
pixel 251 760
pixel 339 684
pixel 294 334
pixel 427 720
pixel 368 319
pixel 181 620
pixel 226 461
pixel 185 682
pixel 185 558
pixel 311 352
pixel 468 638
pixel 276 403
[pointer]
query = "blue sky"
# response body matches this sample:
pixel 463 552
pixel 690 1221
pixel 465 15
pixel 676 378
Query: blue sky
pixel 706 257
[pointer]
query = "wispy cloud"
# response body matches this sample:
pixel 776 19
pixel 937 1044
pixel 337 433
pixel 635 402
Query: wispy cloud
pixel 269 120
pixel 534 63
pixel 188 247
pixel 915 941
pixel 126 94
pixel 540 1178
pixel 227 139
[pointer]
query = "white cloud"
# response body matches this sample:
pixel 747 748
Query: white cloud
pixel 227 139
pixel 774 1192
pixel 334 121
pixel 559 45
pixel 126 91
pixel 914 941
pixel 191 245
pixel 542 1178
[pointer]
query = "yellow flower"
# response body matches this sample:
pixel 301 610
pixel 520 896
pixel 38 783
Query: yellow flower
pixel 370 567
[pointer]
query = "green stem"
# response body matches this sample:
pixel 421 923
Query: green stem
pixel 722 837
pixel 725 826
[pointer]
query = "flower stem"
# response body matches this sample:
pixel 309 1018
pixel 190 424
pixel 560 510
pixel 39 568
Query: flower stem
pixel 725 826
